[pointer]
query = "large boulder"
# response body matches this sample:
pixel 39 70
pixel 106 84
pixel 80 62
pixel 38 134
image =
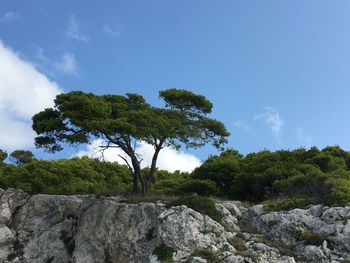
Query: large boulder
pixel 109 231
pixel 188 232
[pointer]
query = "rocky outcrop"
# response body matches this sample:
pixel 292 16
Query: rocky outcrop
pixel 54 228
pixel 318 234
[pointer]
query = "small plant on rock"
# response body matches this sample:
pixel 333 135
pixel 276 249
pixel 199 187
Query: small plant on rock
pixel 164 253
pixel 311 238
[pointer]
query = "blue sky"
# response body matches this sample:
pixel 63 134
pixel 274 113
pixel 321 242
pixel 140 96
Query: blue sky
pixel 277 71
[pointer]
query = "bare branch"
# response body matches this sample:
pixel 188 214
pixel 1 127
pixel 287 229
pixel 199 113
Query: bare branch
pixel 126 161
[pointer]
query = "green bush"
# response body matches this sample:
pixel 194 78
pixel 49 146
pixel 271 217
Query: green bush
pixel 311 238
pixel 340 194
pixel 164 253
pixel 200 187
pixel 200 204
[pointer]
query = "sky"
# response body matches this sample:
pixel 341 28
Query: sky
pixel 276 71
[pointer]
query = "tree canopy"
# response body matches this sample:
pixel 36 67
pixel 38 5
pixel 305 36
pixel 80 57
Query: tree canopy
pixel 20 157
pixel 122 121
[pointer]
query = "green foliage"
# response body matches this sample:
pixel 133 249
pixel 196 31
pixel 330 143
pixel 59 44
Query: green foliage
pixel 200 204
pixel 200 187
pixel 220 169
pixel 286 204
pixel 164 253
pixel 3 155
pixel 73 176
pixel 122 121
pixel 311 238
pixel 282 180
pixel 20 157
pixel 285 179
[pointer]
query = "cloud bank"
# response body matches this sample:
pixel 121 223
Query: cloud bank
pixel 169 159
pixel 24 91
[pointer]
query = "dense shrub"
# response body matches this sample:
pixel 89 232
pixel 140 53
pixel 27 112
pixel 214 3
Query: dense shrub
pixel 281 179
pixel 73 176
pixel 201 187
pixel 220 169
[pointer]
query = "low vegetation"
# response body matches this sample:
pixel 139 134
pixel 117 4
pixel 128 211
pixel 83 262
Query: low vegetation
pixel 311 238
pixel 200 204
pixel 281 179
pixel 164 253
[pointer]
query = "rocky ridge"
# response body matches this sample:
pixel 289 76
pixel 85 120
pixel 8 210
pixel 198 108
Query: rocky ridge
pixel 54 228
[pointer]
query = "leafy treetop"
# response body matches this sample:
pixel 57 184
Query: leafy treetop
pixel 122 121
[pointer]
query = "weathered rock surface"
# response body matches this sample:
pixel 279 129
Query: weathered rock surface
pixel 318 234
pixel 77 229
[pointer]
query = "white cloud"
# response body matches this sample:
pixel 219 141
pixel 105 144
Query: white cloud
pixel 24 91
pixel 67 64
pixel 303 138
pixel 114 31
pixel 74 30
pixel 168 159
pixel 242 125
pixel 9 17
pixel 272 118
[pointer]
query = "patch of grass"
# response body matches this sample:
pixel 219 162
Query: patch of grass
pixel 137 198
pixel 238 242
pixel 286 204
pixel 311 238
pixel 200 204
pixel 164 253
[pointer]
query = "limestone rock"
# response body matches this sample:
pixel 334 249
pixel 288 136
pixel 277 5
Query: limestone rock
pixel 77 229
pixel 233 208
pixel 228 220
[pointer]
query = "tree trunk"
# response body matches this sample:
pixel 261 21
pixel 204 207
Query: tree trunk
pixel 136 182
pixel 138 176
pixel 153 167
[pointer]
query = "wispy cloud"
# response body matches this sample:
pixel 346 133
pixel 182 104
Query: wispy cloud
pixel 242 125
pixel 74 30
pixel 67 64
pixel 272 118
pixel 9 17
pixel 112 30
pixel 303 138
